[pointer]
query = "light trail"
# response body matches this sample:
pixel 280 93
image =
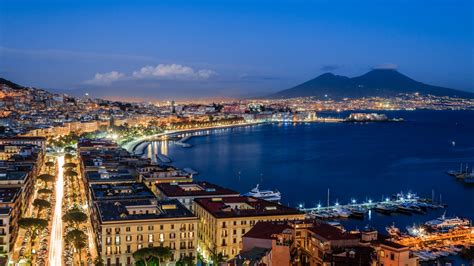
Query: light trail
pixel 56 244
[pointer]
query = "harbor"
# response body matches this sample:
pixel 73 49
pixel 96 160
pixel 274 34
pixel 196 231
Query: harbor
pixel 437 238
pixel 402 203
pixel 465 174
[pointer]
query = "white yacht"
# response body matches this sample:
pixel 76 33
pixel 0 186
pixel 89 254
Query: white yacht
pixel 269 195
pixel 447 223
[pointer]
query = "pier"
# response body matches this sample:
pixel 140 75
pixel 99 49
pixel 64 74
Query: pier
pixel 401 203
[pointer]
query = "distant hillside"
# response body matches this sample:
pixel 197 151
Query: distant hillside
pixel 10 84
pixel 378 82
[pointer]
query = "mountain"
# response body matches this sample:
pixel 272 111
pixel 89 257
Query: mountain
pixel 10 84
pixel 378 82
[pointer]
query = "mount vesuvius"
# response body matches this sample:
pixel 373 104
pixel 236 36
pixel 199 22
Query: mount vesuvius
pixel 376 83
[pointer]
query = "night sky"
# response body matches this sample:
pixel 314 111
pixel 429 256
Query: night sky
pixel 185 49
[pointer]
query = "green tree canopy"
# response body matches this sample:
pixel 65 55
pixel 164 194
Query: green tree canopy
pixel 78 239
pixel 186 261
pixel 46 178
pixel 69 165
pixel 148 254
pixel 45 191
pixel 70 173
pixel 32 225
pixel 75 216
pixel 41 203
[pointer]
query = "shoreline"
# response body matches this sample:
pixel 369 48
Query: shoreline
pixel 132 145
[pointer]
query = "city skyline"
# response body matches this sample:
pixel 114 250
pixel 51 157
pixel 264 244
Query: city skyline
pixel 181 50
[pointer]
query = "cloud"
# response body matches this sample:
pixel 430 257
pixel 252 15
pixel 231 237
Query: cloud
pixel 105 78
pixel 172 71
pixel 386 66
pixel 329 68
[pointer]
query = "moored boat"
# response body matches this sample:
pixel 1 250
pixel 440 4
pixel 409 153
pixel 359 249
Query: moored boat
pixel 268 195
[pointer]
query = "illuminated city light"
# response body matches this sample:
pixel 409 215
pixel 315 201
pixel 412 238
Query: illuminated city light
pixel 56 247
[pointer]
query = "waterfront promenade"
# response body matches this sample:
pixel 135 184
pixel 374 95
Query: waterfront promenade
pixel 134 144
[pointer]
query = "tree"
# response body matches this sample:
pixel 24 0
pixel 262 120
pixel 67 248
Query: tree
pixel 32 225
pixel 186 261
pixel 75 216
pixel 49 164
pixel 70 173
pixel 45 191
pixel 69 165
pixel 78 239
pixel 99 261
pixel 41 204
pixel 147 255
pixel 46 178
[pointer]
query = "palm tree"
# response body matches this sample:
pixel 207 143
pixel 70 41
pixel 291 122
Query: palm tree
pixel 78 239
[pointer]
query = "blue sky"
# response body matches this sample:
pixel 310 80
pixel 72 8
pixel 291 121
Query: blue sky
pixel 183 49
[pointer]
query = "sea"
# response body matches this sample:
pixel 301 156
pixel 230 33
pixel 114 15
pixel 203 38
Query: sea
pixel 353 161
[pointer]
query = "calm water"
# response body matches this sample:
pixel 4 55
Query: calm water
pixel 353 160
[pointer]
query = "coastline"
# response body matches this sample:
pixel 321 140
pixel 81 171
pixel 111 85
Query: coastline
pixel 132 145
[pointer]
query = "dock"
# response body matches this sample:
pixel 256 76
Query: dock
pixel 402 203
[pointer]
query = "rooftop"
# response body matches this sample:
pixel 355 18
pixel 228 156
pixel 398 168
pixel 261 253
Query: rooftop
pixel 250 257
pixel 330 232
pixel 243 206
pixel 9 194
pixel 193 189
pixel 118 176
pixel 121 191
pixel 12 175
pixel 267 230
pixel 142 209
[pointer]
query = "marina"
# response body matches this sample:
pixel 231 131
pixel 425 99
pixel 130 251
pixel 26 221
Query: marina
pixel 437 238
pixel 408 204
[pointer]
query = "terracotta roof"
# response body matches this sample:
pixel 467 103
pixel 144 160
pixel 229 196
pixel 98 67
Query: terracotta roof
pixel 243 206
pixel 330 232
pixel 266 230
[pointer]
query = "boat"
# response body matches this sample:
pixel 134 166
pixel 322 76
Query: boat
pixel 469 180
pixel 385 209
pixel 415 230
pixel 443 223
pixel 393 230
pixel 405 209
pixel 416 209
pixel 268 195
pixel 344 213
pixel 358 212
